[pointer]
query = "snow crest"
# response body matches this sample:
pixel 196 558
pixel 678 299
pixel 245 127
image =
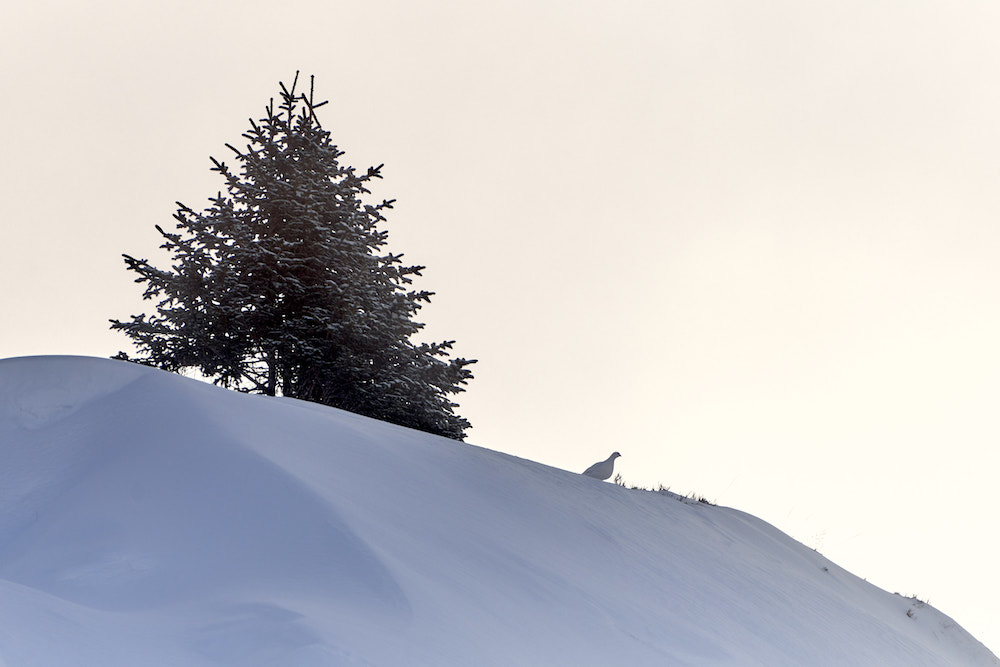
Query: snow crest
pixel 150 519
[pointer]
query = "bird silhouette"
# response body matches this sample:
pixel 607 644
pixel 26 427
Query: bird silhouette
pixel 602 469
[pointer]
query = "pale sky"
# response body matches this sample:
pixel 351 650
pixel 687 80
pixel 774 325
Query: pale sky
pixel 751 246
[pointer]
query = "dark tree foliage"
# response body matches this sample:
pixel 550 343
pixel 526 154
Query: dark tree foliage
pixel 283 285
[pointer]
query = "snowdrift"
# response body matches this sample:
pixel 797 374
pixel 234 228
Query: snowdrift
pixel 148 519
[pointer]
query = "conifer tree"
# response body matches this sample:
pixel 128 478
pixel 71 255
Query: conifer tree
pixel 283 285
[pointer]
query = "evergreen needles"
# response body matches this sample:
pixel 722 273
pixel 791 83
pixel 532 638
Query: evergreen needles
pixel 283 285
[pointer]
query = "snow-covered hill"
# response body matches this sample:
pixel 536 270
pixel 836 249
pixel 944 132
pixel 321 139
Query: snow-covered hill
pixel 148 519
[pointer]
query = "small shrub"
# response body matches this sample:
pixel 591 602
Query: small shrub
pixel 662 490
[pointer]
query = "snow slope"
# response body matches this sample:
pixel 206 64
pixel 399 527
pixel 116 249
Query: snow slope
pixel 148 519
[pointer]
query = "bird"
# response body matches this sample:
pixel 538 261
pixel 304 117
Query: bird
pixel 602 469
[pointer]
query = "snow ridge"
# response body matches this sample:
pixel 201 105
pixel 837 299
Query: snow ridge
pixel 146 518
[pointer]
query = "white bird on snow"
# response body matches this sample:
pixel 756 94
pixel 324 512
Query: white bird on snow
pixel 603 469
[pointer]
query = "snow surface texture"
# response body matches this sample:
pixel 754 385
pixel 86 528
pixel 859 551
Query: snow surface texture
pixel 148 519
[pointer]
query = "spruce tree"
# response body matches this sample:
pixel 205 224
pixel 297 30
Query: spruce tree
pixel 283 285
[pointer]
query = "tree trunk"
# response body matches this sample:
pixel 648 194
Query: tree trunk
pixel 272 372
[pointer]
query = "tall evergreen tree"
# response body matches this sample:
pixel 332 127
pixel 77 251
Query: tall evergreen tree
pixel 283 285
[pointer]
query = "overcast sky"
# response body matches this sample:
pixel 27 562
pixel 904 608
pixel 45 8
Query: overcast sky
pixel 751 246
